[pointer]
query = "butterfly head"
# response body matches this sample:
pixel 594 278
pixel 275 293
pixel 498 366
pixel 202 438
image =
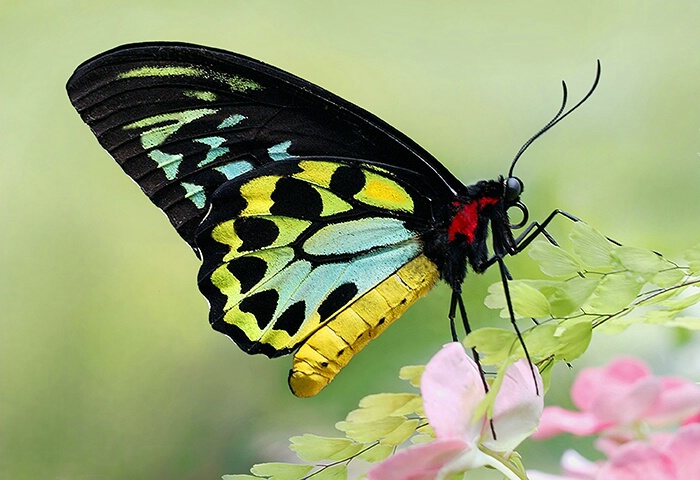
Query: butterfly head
pixel 512 189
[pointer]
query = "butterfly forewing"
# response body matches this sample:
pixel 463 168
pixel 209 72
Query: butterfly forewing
pixel 182 120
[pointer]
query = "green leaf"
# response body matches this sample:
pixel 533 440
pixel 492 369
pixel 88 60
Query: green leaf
pixel 412 373
pixel 681 303
pixel 554 261
pixel 313 448
pixel 239 476
pixel 545 369
pixel 374 407
pixel 692 255
pixel 591 246
pixel 421 438
pixel 617 325
pixel 495 345
pixel 425 429
pixel 496 299
pixel 640 260
pixel 336 472
pixel 690 323
pixel 569 296
pixel 668 278
pixel 281 471
pixel 541 341
pixel 376 453
pixel 527 301
pixel 401 433
pixel 573 338
pixel 657 317
pixel 566 341
pixel 366 432
pixel 614 292
pixel 660 297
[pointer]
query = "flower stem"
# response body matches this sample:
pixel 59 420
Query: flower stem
pixel 500 463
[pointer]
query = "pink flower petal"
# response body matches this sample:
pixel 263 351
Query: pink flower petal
pixel 613 438
pixel 679 400
pixel 577 466
pixel 537 475
pixel 574 467
pixel 556 420
pixel 419 462
pixel 451 389
pixel 593 383
pixel 517 409
pixel 684 448
pixel 637 398
pixel 636 461
pixel 693 419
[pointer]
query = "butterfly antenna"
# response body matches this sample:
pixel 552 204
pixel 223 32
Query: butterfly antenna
pixel 558 117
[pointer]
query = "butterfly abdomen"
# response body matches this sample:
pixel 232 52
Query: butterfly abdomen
pixel 331 347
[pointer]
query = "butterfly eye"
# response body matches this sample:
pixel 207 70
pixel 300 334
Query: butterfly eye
pixel 514 187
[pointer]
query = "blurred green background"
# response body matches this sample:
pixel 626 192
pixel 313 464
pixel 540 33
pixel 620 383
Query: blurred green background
pixel 108 368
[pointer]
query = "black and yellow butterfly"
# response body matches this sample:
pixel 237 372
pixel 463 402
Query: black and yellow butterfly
pixel 317 223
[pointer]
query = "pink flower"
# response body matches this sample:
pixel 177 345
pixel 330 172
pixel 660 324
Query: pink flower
pixel 675 457
pixel 451 388
pixel 622 402
pixel 617 400
pixel 574 466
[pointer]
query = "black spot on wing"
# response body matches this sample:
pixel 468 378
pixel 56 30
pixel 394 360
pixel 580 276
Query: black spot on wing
pixel 347 181
pixel 296 198
pixel 248 270
pixel 255 232
pixel 262 305
pixel 336 300
pixel 291 319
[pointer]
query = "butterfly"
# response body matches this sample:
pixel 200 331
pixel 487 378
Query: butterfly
pixel 317 223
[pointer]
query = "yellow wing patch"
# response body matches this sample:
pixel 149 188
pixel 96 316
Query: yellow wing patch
pixel 316 172
pixel 380 191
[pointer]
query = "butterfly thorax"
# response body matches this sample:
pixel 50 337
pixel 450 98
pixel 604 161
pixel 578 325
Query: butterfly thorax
pixel 471 213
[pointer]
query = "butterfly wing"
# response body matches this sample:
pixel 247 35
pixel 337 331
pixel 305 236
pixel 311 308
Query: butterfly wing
pixel 313 218
pixel 320 252
pixel 182 119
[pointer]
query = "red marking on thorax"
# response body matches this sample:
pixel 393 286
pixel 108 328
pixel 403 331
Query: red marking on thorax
pixel 466 219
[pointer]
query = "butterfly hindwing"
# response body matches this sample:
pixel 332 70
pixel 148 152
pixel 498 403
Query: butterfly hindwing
pixel 182 120
pixel 288 246
pixel 332 346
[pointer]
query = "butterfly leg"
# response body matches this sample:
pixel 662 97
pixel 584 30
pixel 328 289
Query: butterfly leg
pixel 511 313
pixel 457 300
pixel 535 229
pixel 468 330
pixel 452 315
pixel 531 232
